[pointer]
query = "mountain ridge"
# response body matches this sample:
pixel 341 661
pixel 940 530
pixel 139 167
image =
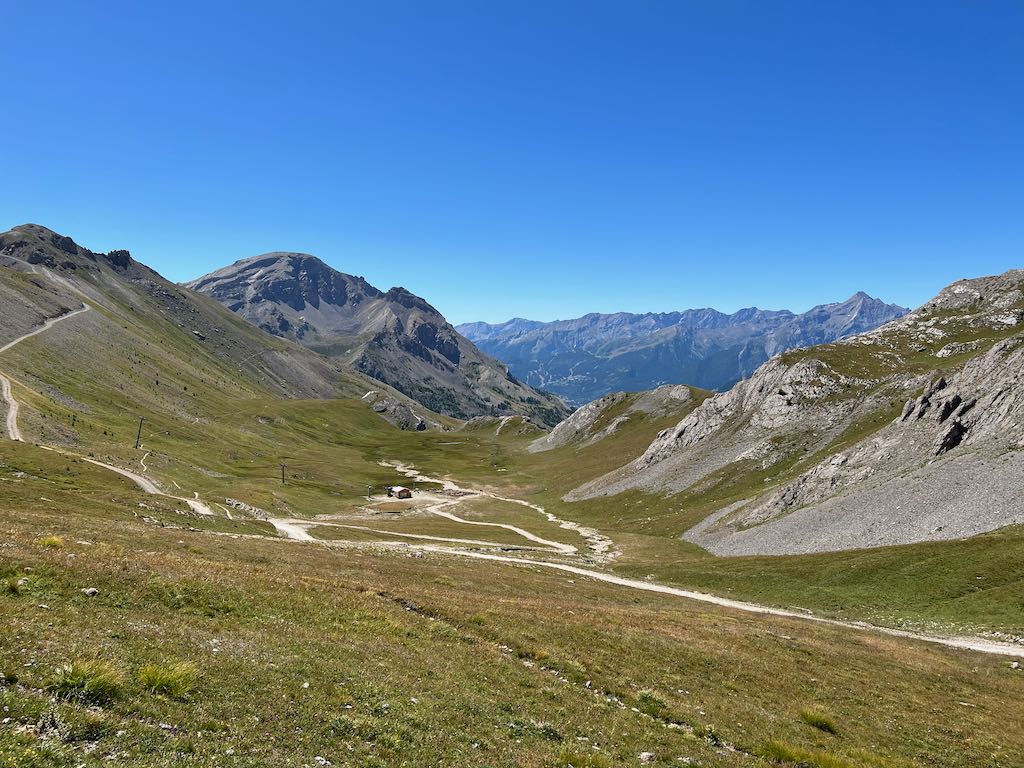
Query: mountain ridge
pixel 590 356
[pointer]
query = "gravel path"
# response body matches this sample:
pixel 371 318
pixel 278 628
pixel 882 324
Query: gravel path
pixel 600 546
pixel 968 643
pixel 13 432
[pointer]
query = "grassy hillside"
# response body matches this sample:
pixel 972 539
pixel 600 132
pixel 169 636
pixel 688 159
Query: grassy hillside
pixel 198 648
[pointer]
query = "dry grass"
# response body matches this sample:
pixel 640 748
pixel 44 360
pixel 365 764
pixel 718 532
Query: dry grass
pixel 521 664
pixel 818 720
pixel 93 681
pixel 175 680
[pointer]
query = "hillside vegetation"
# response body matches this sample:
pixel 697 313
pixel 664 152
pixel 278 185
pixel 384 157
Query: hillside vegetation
pixel 907 433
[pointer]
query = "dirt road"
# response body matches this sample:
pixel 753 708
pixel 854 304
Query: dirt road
pixel 13 432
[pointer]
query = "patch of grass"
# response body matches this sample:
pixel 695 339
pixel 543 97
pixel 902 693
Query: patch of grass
pixel 781 752
pixel 52 542
pixel 12 586
pixel 818 720
pixel 69 724
pixel 378 694
pixel 576 758
pixel 709 734
pixel 175 681
pixel 650 703
pixel 92 681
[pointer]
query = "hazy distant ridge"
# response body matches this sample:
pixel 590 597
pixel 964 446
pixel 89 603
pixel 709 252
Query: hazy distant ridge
pixel 588 357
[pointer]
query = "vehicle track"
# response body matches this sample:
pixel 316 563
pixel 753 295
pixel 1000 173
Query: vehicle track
pixel 13 406
pixel 14 432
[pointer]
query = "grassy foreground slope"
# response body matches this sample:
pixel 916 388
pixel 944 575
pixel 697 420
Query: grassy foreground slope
pixel 204 649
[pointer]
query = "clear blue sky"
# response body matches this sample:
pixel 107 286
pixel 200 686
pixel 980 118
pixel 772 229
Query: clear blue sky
pixel 541 159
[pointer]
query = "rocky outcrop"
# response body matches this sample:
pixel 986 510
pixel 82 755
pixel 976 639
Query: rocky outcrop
pixel 841 438
pixel 398 413
pixel 587 358
pixel 588 424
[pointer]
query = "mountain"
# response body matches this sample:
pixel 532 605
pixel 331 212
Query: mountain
pixel 910 432
pixel 47 274
pixel 394 337
pixel 122 343
pixel 587 358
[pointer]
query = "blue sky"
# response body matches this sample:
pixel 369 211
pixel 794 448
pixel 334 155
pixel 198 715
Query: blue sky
pixel 540 159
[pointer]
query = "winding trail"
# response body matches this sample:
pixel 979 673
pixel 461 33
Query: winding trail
pixel 12 409
pixel 144 483
pixel 967 643
pixel 565 549
pixel 600 545
pixel 290 529
pixel 304 525
pixel 14 432
pixel 978 644
pixel 295 531
pixel 47 325
pixel 13 406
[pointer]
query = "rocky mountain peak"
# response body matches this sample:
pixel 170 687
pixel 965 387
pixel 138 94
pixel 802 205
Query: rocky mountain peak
pixel 395 337
pixel 38 245
pixel 847 438
pixel 409 300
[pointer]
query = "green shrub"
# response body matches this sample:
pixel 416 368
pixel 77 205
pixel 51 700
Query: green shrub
pixel 709 734
pixel 91 681
pixel 52 542
pixel 818 720
pixel 173 680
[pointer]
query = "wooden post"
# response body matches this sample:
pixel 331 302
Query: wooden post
pixel 282 473
pixel 138 437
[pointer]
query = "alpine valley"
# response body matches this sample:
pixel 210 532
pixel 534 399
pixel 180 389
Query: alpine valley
pixel 277 516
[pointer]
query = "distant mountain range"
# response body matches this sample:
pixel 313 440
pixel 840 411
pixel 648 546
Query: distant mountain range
pixel 394 337
pixel 594 355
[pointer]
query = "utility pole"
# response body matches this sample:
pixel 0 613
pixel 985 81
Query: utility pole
pixel 282 473
pixel 138 437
